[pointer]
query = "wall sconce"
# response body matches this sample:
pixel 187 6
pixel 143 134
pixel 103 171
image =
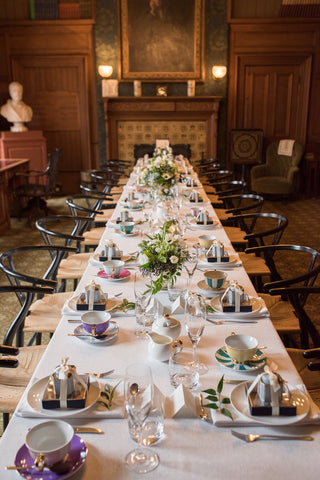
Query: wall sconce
pixel 105 71
pixel 219 71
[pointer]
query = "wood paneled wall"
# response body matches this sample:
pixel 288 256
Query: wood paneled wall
pixel 55 63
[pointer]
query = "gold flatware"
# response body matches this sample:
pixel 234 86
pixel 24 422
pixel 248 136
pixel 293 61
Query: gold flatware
pixel 222 322
pixel 203 414
pixel 102 374
pixel 233 382
pixel 250 437
pixel 87 430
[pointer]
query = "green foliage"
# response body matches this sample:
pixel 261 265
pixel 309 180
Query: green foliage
pixel 216 402
pixel 108 395
pixel 124 306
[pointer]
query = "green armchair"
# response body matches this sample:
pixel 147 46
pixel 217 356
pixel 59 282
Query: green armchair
pixel 278 176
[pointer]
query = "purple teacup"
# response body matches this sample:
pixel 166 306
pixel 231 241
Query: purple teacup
pixel 95 322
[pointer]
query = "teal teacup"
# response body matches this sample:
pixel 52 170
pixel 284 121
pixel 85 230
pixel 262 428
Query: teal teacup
pixel 215 278
pixel 126 227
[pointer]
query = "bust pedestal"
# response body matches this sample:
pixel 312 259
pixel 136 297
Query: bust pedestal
pixel 30 144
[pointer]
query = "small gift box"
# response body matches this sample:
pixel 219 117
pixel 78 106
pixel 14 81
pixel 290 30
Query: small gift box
pixel 269 395
pixel 93 298
pixel 235 300
pixel 203 218
pixel 110 252
pixel 195 197
pixel 65 388
pixel 217 253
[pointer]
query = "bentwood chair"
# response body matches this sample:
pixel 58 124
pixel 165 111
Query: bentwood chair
pixel 37 265
pixel 253 229
pixel 239 204
pixel 67 230
pixel 90 206
pixel 290 266
pixel 26 359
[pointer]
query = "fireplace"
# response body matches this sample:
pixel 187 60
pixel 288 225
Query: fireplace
pixel 136 120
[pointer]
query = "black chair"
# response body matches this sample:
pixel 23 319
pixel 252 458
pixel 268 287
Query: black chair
pixel 13 263
pixel 298 297
pixel 26 359
pixel 210 177
pixel 290 266
pixel 37 186
pixel 226 188
pixel 142 149
pixel 238 205
pixel 181 149
pixel 67 230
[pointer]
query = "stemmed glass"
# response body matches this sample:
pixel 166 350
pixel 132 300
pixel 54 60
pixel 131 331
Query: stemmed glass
pixel 138 389
pixel 195 319
pixel 178 287
pixel 142 293
pixel 190 265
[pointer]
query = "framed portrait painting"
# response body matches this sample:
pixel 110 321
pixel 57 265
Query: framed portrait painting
pixel 161 40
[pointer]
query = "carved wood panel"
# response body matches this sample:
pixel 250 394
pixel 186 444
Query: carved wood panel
pixel 273 95
pixel 57 92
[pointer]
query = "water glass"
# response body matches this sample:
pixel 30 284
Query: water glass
pixel 152 429
pixel 178 287
pixel 142 293
pixel 184 368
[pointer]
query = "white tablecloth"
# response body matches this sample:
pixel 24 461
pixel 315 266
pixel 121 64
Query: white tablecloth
pixel 190 449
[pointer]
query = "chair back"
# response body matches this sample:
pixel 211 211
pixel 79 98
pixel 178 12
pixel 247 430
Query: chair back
pixel 237 204
pixel 142 149
pixel 298 297
pixel 224 189
pixel 52 171
pixel 63 229
pixel 27 293
pixel 181 149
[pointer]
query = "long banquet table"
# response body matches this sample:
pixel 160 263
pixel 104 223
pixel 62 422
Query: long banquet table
pixel 190 448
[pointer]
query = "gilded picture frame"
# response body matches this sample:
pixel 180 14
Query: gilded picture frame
pixel 161 40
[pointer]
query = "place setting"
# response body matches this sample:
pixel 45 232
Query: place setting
pixel 67 394
pixel 215 255
pixel 241 353
pixel 214 283
pixel 114 271
pixel 96 328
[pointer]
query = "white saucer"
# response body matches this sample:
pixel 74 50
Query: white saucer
pixel 132 234
pixel 108 337
pixel 211 226
pixel 35 394
pixel 224 359
pixel 211 292
pixel 240 403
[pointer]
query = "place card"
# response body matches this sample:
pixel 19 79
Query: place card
pixel 181 404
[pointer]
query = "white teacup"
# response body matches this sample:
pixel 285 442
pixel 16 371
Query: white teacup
pixel 49 442
pixel 206 241
pixel 241 348
pixel 113 267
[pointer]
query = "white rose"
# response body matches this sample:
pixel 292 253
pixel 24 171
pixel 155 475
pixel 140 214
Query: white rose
pixel 142 259
pixel 174 259
pixel 168 237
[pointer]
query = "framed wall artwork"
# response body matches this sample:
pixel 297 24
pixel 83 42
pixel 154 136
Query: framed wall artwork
pixel 161 40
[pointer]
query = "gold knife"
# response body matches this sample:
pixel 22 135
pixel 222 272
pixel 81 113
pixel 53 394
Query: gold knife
pixel 87 430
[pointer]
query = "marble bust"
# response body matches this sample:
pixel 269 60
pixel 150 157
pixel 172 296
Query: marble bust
pixel 15 110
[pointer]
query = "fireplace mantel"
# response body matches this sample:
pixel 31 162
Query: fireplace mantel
pixel 168 109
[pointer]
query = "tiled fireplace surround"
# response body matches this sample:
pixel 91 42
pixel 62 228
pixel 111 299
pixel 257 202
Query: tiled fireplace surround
pixel 136 120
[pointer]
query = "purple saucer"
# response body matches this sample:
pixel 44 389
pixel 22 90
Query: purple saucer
pixel 77 457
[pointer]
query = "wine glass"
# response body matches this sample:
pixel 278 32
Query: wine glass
pixel 190 265
pixel 142 293
pixel 138 389
pixel 195 319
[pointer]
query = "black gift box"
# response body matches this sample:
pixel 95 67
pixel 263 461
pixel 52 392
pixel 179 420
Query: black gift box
pixel 83 305
pixel 215 259
pixel 209 222
pixel 50 402
pixel 257 408
pixel 103 258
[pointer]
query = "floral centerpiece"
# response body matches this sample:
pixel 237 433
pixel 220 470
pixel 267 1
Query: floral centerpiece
pixel 161 171
pixel 162 255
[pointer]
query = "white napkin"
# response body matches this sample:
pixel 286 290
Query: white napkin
pixel 285 147
pixel 96 411
pixel 66 310
pixel 263 312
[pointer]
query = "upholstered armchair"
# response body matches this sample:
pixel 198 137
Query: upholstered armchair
pixel 278 176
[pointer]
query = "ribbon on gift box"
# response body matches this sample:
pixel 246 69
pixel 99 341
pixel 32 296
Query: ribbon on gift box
pixel 91 289
pixel 203 216
pixel 274 388
pixel 63 371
